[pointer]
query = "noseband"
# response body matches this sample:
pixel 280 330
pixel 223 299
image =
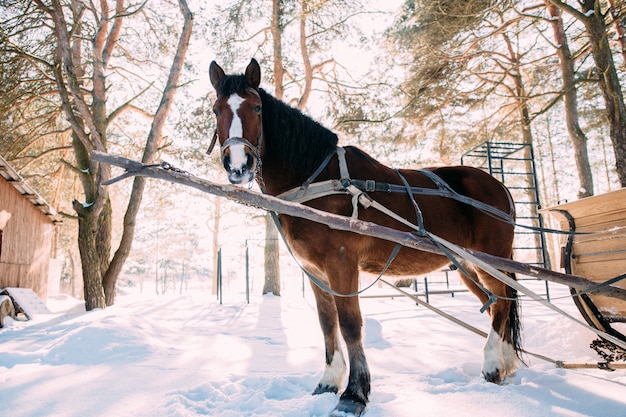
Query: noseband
pixel 256 150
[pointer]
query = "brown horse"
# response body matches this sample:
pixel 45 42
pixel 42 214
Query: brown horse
pixel 262 138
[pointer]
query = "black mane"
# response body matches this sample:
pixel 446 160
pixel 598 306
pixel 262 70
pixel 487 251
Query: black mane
pixel 298 141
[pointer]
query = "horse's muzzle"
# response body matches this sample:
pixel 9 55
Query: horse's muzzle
pixel 243 176
pixel 239 158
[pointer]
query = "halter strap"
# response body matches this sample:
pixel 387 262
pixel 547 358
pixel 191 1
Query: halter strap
pixel 213 142
pixel 242 141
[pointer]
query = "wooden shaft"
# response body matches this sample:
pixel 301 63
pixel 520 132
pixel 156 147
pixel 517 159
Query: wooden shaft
pixel 270 203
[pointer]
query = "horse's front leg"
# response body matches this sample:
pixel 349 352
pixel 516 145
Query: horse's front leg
pixel 335 369
pixel 345 280
pixel 355 396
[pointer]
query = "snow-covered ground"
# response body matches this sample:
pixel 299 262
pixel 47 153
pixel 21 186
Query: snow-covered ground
pixel 187 355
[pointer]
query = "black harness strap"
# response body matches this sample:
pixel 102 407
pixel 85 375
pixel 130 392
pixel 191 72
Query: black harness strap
pixel 418 211
pixel 492 298
pixel 317 172
pixel 323 285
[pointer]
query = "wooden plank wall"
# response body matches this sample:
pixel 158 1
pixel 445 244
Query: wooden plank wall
pixel 26 242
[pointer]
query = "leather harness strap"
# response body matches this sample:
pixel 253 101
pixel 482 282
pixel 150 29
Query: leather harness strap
pixel 310 190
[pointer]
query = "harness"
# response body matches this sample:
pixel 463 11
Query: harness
pixel 358 189
pixel 310 190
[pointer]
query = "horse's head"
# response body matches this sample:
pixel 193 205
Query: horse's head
pixel 239 127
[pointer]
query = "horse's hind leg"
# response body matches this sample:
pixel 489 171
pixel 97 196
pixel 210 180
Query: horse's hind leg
pixel 335 369
pixel 503 341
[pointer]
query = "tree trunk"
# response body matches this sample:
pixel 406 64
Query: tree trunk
pixel 619 30
pixel 272 267
pixel 271 252
pixel 152 143
pixel 521 98
pixel 277 30
pixel 89 245
pixel 610 86
pixel 306 58
pixel 592 18
pixel 89 119
pixel 570 101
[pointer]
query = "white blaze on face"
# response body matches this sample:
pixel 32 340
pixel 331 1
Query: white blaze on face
pixel 237 155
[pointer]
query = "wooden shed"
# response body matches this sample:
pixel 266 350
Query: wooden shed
pixel 27 224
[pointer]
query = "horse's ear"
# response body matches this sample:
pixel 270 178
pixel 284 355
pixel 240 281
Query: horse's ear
pixel 253 74
pixel 216 73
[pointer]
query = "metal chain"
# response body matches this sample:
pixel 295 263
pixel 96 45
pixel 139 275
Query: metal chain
pixel 608 351
pixel 169 167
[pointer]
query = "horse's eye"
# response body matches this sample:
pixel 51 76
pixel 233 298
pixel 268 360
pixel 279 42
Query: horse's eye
pixel 257 109
pixel 215 112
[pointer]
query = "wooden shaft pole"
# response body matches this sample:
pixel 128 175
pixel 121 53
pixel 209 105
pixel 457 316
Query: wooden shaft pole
pixel 270 203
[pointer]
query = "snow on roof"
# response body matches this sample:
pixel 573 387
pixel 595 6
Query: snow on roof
pixel 13 178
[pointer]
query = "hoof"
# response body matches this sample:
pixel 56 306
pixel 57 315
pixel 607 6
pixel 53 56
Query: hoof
pixel 324 388
pixel 348 408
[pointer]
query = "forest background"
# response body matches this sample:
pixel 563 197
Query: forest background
pixel 413 83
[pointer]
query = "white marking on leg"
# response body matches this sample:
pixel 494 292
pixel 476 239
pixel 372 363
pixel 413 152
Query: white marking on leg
pixel 510 358
pixel 493 359
pixel 335 372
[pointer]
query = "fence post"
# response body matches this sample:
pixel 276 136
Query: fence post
pixel 247 275
pixel 426 289
pixel 219 274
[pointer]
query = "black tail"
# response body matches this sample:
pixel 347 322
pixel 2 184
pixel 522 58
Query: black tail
pixel 514 323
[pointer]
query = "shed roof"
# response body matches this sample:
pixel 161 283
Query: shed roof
pixel 27 191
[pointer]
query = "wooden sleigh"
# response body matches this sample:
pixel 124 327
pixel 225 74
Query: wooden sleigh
pixel 596 250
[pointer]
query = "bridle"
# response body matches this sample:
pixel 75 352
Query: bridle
pixel 212 144
pixel 256 150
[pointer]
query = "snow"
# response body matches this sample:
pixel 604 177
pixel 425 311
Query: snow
pixel 187 355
